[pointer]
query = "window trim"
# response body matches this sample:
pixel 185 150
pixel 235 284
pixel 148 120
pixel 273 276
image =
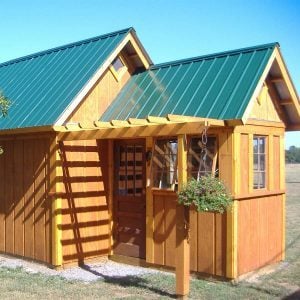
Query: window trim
pixel 174 186
pixel 266 159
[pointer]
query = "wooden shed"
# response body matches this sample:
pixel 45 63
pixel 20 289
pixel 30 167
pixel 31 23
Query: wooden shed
pixel 99 139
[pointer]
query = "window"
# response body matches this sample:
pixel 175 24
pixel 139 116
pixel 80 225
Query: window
pixel 164 164
pixel 259 162
pixel 118 67
pixel 118 64
pixel 202 160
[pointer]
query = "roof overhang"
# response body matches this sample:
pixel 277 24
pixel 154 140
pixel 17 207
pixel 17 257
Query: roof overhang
pixel 172 125
pixel 277 74
pixel 132 39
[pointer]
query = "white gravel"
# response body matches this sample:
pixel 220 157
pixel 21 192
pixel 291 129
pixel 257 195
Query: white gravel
pixel 90 272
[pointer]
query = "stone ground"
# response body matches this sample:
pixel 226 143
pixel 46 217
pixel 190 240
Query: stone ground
pixel 87 273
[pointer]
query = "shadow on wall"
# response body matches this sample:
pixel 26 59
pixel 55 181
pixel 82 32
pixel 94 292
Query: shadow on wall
pixel 24 202
pixel 85 225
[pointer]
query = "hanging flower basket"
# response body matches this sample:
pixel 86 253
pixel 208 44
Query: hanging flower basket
pixel 206 194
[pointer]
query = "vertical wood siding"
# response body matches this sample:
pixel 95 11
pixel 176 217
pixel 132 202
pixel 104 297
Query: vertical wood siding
pixel 207 236
pixel 259 232
pixel 101 96
pixel 24 204
pixel 85 217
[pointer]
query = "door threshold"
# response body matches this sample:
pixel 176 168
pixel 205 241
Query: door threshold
pixel 128 260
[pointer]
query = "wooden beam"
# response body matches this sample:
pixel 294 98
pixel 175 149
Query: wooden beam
pixel 169 129
pixel 149 206
pixel 87 125
pixel 232 215
pixel 101 124
pixel 276 79
pixel 286 102
pixel 56 204
pixel 120 123
pixel 265 123
pixel 134 121
pixel 293 127
pixel 287 79
pixel 209 122
pixel 182 226
pixel 110 193
pixel 133 40
pixel 157 120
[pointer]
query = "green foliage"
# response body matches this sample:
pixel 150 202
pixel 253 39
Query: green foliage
pixel 292 155
pixel 4 104
pixel 207 194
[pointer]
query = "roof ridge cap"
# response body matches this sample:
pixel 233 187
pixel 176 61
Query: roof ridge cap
pixel 69 45
pixel 214 55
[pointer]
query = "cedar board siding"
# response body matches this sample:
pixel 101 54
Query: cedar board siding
pixel 259 232
pixel 260 216
pixel 101 95
pixel 208 231
pixel 207 236
pixel 85 217
pixel 25 228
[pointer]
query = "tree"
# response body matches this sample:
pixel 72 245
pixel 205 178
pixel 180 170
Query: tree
pixel 4 106
pixel 292 155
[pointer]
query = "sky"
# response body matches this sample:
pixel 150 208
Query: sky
pixel 168 29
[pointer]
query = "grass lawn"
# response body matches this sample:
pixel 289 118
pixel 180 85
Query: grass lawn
pixel 281 283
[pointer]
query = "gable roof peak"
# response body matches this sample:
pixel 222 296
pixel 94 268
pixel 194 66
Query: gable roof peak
pixel 217 55
pixel 69 45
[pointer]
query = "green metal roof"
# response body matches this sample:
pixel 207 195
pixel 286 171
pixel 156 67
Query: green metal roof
pixel 42 85
pixel 212 86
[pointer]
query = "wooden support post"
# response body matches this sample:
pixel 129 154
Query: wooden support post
pixel 232 215
pixel 110 193
pixel 149 205
pixel 182 226
pixel 56 204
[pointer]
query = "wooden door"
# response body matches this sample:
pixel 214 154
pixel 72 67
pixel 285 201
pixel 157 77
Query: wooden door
pixel 129 199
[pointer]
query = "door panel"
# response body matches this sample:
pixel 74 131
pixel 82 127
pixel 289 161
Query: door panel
pixel 129 198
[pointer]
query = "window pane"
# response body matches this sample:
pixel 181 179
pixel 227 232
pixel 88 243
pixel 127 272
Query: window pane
pixel 255 145
pixel 262 145
pixel 259 162
pixel 201 158
pixel 262 166
pixel 117 64
pixel 164 164
pixel 255 162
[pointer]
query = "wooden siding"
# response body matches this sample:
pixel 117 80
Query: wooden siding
pixel 207 236
pixel 101 95
pixel 259 232
pixel 24 203
pixel 264 107
pixel 85 216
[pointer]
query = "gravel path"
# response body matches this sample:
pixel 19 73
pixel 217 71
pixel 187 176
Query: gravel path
pixel 91 272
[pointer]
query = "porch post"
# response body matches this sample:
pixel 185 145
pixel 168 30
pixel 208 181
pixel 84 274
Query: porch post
pixel 182 224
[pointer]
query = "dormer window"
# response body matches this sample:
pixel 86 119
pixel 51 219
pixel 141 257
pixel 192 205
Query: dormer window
pixel 118 64
pixel 118 67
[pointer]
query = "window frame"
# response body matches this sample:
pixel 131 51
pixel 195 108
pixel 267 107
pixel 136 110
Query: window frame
pixel 258 171
pixel 118 74
pixel 156 171
pixel 214 164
